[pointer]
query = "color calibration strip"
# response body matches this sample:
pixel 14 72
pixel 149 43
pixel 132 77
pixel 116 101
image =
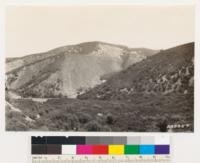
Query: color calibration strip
pixel 146 145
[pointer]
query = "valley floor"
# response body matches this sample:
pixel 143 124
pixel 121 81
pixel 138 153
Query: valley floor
pixel 146 113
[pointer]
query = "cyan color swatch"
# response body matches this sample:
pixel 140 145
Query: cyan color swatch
pixel 147 149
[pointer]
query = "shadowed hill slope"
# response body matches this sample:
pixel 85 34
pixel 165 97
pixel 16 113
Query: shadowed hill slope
pixel 170 71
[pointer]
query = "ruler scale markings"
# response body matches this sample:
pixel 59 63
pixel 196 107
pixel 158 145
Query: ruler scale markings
pixel 114 158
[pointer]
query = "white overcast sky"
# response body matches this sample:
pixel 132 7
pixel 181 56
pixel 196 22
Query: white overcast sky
pixel 34 29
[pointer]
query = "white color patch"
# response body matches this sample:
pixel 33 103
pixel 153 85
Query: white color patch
pixel 69 149
pixel 162 140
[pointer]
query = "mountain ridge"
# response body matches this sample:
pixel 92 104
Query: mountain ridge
pixel 61 63
pixel 57 51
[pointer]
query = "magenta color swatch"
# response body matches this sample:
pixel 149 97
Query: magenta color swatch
pixel 84 149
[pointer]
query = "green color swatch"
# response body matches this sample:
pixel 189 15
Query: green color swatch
pixel 131 149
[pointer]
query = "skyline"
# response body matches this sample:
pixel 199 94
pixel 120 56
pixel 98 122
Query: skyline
pixel 32 30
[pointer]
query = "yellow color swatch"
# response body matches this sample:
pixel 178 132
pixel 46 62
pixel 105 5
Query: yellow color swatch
pixel 116 149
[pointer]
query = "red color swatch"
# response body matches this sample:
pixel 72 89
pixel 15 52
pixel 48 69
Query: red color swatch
pixel 100 149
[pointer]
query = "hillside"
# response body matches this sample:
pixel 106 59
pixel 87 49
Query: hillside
pixel 168 72
pixel 69 70
pixel 153 95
